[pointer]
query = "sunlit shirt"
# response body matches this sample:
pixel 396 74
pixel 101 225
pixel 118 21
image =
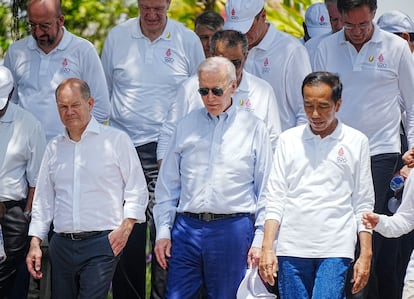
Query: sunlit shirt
pixel 90 185
pixel 214 164
pixel 22 144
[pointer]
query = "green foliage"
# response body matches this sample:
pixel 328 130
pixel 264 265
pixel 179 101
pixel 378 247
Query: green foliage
pixel 93 19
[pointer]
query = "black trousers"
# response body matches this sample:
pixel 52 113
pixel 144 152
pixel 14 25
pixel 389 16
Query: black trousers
pixel 130 276
pixel 15 228
pixel 384 282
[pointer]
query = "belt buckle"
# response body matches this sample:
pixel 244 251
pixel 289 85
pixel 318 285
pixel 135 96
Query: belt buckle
pixel 73 237
pixel 207 217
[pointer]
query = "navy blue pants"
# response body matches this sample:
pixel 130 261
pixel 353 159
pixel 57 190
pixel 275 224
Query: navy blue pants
pixel 210 254
pixel 82 269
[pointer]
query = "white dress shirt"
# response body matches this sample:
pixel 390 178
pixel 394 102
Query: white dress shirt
pixel 253 94
pixel 214 165
pixel 22 144
pixel 90 185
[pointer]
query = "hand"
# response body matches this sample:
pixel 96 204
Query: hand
pixel 361 274
pixel 253 257
pixel 162 251
pixel 370 220
pixel 268 266
pixel 408 158
pixel 405 171
pixel 34 258
pixel 119 237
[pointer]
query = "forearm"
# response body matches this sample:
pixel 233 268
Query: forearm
pixel 365 241
pixel 29 200
pixel 270 229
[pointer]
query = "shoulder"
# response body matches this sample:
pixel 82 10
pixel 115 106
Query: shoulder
pixel 123 28
pixel 256 82
pixel 292 133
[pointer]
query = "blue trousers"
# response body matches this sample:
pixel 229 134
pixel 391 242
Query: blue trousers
pixel 81 269
pixel 320 278
pixel 212 254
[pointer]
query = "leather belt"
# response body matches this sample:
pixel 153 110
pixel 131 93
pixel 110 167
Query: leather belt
pixel 212 217
pixel 82 235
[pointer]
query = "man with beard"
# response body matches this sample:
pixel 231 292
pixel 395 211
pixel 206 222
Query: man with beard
pixel 39 63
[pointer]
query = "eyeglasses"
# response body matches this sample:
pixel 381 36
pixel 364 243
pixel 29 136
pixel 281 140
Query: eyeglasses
pixel 362 26
pixel 218 92
pixel 42 26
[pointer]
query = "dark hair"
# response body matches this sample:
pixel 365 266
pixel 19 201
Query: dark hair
pixel 232 38
pixel 327 78
pixel 210 19
pixel 347 5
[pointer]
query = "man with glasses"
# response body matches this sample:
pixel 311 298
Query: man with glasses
pixel 49 55
pixel 377 71
pixel 145 60
pixel 208 190
pixel 252 93
pixel 39 63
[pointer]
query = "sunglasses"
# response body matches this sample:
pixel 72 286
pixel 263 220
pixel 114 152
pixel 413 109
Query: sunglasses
pixel 218 92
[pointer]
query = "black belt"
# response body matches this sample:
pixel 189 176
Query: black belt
pixel 82 235
pixel 211 217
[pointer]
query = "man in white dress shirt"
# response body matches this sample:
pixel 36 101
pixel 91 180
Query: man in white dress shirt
pixel 92 187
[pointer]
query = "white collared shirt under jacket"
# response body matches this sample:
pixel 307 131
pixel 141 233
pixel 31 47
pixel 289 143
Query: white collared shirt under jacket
pixel 22 144
pixel 214 165
pixel 143 75
pixel 37 74
pixel 318 190
pixel 89 185
pixel 378 84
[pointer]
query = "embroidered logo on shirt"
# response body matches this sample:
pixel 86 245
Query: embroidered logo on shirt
pixel 168 58
pixel 65 67
pixel 246 103
pixel 233 14
pixel 380 63
pixel 266 68
pixel 341 158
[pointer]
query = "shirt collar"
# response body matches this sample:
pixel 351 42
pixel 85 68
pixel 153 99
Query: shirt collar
pixel 266 43
pixel 375 38
pixel 62 45
pixel 226 115
pixel 243 86
pixel 93 127
pixel 166 34
pixel 10 114
pixel 336 134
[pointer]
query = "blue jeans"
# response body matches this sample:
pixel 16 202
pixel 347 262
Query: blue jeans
pixel 212 254
pixel 318 278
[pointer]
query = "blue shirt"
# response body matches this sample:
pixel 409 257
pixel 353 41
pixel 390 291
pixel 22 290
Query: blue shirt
pixel 214 164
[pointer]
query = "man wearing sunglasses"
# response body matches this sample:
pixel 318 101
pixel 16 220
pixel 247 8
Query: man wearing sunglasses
pixel 216 165
pixel 252 93
pixel 377 70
